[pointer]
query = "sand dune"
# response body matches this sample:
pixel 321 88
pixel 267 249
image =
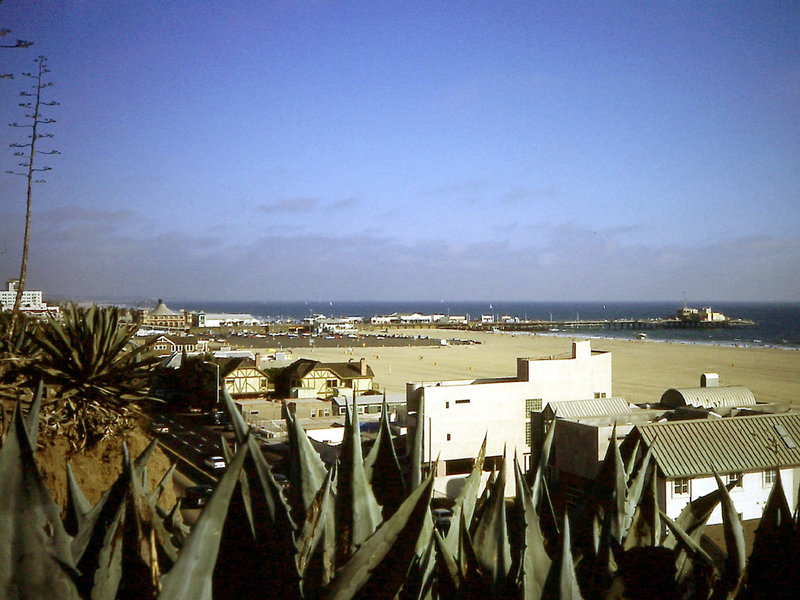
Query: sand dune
pixel 642 370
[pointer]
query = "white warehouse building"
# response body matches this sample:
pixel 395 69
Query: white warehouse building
pixel 456 415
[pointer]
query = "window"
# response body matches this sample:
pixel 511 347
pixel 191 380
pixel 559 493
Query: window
pixel 735 479
pixel 331 383
pixel 458 466
pixel 447 405
pixel 531 405
pixel 768 478
pixel 448 437
pixel 342 410
pixel 680 487
pixel 327 413
pixel 599 394
pixel 462 401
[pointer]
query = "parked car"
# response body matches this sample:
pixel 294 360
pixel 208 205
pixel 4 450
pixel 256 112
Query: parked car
pixel 157 427
pixel 197 496
pixel 441 518
pixel 214 462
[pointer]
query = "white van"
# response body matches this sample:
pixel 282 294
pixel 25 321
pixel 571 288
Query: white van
pixel 215 462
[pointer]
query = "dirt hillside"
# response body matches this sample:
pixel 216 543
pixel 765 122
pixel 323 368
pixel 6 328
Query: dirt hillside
pixel 98 469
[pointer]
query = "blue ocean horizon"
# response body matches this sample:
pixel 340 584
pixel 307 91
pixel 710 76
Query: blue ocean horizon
pixel 777 324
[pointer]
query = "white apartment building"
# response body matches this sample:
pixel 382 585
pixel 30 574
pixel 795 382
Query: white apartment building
pixel 456 415
pixel 31 301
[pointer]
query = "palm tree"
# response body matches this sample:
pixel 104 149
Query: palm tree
pixel 99 374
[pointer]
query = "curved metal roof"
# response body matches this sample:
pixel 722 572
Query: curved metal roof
pixel 709 397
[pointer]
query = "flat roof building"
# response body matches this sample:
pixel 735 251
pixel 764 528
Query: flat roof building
pixel 456 415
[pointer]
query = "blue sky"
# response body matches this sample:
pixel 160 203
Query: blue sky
pixel 411 150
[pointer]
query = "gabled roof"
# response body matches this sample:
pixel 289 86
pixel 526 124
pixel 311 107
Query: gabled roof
pixel 179 340
pixel 344 370
pixel 730 445
pixel 242 361
pixel 709 397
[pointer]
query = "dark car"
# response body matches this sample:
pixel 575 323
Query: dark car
pixel 197 496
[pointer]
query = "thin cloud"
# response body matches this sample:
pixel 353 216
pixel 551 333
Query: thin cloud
pixel 291 205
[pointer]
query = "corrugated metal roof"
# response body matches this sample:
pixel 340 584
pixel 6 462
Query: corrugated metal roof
pixel 730 445
pixel 709 397
pixel 596 407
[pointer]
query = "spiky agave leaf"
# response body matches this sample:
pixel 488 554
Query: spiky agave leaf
pixel 634 491
pixel 449 574
pixel 606 496
pixel 77 504
pixel 491 533
pixel 419 580
pixel 175 525
pixel 772 565
pixel 734 538
pixel 162 486
pixel 386 554
pixel 102 580
pixel 691 520
pixel 307 472
pixel 541 466
pixel 91 534
pixel 190 577
pixel 645 528
pixel 383 469
pixel 686 542
pixel 313 529
pixel 32 418
pixel 694 516
pixel 134 545
pixel 465 502
pixel 562 584
pixel 257 550
pixel 358 514
pixel 278 511
pixel 34 547
pixel 534 563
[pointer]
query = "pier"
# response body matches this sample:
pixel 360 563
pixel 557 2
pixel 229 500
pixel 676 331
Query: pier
pixel 614 324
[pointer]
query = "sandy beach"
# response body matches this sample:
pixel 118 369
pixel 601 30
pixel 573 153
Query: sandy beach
pixel 642 370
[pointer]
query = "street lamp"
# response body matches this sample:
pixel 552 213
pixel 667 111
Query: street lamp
pixel 216 365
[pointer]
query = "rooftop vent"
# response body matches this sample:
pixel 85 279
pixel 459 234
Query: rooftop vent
pixel 709 380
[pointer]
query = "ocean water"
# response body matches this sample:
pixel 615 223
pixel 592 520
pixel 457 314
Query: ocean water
pixel 777 324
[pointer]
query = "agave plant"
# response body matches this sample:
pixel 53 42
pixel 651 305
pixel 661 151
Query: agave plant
pixel 97 373
pixel 17 352
pixel 327 538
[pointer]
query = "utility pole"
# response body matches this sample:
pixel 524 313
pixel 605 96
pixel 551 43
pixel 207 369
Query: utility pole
pixel 35 121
